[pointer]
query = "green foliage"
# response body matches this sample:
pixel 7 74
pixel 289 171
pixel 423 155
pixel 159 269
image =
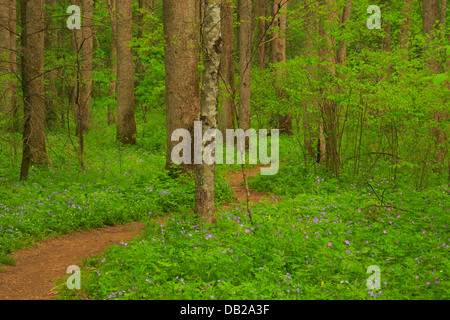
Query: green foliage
pixel 312 246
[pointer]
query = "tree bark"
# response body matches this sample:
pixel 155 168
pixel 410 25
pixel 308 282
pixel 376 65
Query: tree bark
pixel 181 71
pixel 126 123
pixel 310 123
pixel 279 55
pixel 245 63
pixel 85 44
pixel 50 44
pixel 8 59
pixel 205 172
pixel 143 6
pixel 261 9
pixel 386 26
pixel 227 68
pixel 329 108
pixel 405 29
pixel 431 19
pixel 112 90
pixel 33 17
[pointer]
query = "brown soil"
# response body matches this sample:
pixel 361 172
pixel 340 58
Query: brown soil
pixel 37 268
pixel 32 278
pixel 236 180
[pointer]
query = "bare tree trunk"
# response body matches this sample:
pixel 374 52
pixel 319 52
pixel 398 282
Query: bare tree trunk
pixel 431 14
pixel 245 62
pixel 32 14
pixel 87 63
pixel 205 177
pixel 310 133
pixel 405 29
pixel 4 54
pixel 279 55
pixel 341 55
pixel 431 18
pixel 444 25
pixel 50 43
pixel 330 108
pixel 261 9
pixel 112 90
pixel 8 59
pixel 143 6
pixel 181 67
pixel 126 123
pixel 13 67
pixel 86 46
pixel 386 44
pixel 227 68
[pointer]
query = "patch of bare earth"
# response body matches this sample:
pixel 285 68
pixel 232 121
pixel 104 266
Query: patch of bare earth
pixel 32 278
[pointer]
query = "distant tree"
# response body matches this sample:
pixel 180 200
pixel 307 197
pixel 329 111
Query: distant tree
pixel 279 56
pixel 8 60
pixel 126 123
pixel 245 62
pixel 405 29
pixel 85 48
pixel 227 68
pixel 112 90
pixel 431 23
pixel 51 76
pixel 144 6
pixel 261 10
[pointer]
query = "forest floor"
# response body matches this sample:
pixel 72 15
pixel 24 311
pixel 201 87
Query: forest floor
pixel 36 268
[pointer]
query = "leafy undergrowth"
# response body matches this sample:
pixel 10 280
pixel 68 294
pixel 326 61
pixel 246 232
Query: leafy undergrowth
pixel 316 245
pixel 119 185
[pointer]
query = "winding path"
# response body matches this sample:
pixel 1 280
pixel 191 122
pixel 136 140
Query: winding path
pixel 37 268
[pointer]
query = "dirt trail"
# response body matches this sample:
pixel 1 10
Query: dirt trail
pixel 236 181
pixel 32 278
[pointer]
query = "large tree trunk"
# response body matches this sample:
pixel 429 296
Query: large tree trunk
pixel 227 68
pixel 279 55
pixel 126 123
pixel 181 68
pixel 205 177
pixel 32 14
pixel 50 44
pixel 245 62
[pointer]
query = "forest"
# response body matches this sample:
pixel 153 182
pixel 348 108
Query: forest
pixel 224 150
